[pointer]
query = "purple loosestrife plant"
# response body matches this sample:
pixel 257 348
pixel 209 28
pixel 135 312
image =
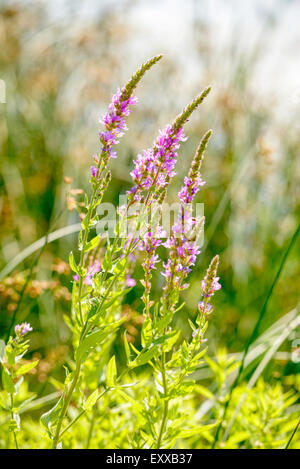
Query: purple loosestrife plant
pixel 183 250
pixel 103 274
pixel 89 300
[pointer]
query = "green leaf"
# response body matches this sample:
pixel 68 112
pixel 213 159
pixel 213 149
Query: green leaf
pixel 145 356
pixel 91 400
pixel 204 392
pixel 92 244
pixel 107 303
pixel 10 355
pixel 90 342
pixel 107 262
pixel 7 381
pixel 147 332
pixel 2 351
pixel 111 372
pixel 183 389
pixel 186 433
pixel 171 341
pixel 73 263
pixel 3 402
pixel 126 347
pixel 120 266
pixel 50 418
pixel 26 368
pixel 192 325
pixel 135 404
pixel 163 323
pixel 213 365
pixel 96 338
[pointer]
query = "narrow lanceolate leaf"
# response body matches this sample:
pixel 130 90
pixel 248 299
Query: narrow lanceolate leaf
pixel 7 381
pixel 145 356
pixel 26 368
pixel 91 400
pixel 147 332
pixel 96 311
pixel 186 433
pixel 135 404
pixel 171 341
pixel 107 261
pixel 126 348
pixel 50 418
pixel 164 322
pixel 92 244
pixel 111 372
pixel 119 267
pixel 95 338
pixel 2 351
pixel 73 263
pixel 90 342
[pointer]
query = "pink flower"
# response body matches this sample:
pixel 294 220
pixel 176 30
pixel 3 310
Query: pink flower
pixel 22 329
pixel 155 166
pixel 91 271
pixel 130 282
pixel 115 126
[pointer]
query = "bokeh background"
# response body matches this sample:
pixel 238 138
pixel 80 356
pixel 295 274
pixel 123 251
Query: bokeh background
pixel 62 60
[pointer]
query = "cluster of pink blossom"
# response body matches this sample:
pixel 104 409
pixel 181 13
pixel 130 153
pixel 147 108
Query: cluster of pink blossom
pixel 209 290
pixel 209 285
pixel 130 282
pixel 150 243
pixel 190 188
pixel 93 269
pixel 183 241
pixel 22 329
pixel 115 125
pixel 183 254
pixel 182 245
pixel 155 167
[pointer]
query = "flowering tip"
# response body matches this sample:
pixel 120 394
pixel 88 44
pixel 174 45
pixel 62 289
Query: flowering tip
pixel 211 284
pixel 213 266
pixel 183 117
pixel 200 150
pixel 132 83
pixel 203 145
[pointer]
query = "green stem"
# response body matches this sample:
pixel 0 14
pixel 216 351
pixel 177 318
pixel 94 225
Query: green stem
pixel 72 422
pixel 166 402
pixel 84 329
pixel 12 416
pixel 81 262
pixel 90 431
pixel 66 405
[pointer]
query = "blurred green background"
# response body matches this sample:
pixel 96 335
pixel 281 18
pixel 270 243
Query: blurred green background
pixel 62 61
